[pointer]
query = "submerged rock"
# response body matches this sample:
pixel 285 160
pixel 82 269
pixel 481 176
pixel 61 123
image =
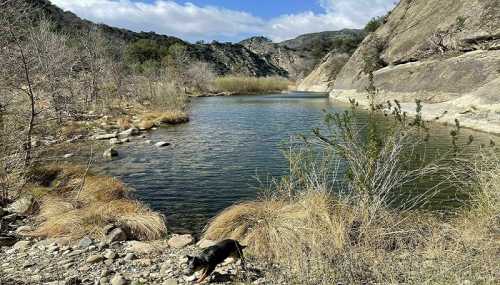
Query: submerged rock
pixel 110 153
pixel 162 144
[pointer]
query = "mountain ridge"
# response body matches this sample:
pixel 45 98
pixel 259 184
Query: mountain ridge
pixel 255 56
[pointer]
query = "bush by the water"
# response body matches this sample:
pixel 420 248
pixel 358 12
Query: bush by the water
pixel 248 85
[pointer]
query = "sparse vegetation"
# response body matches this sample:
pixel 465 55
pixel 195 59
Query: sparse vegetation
pixel 248 85
pixel 374 24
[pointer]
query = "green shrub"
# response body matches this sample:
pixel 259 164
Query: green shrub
pixel 374 24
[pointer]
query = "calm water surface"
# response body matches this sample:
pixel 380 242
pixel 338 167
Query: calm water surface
pixel 214 160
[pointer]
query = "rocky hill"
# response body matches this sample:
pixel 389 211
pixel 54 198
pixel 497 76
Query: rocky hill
pixel 224 58
pixel 256 56
pixel 299 56
pixel 445 53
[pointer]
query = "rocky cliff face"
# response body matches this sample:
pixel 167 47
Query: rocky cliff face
pixel 446 53
pixel 228 58
pixel 299 56
pixel 293 62
pixel 321 79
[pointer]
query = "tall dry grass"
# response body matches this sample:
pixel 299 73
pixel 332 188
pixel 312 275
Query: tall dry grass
pixel 248 85
pixel 74 203
pixel 320 228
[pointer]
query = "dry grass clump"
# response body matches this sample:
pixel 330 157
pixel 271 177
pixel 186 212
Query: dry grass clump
pixel 318 239
pixel 166 117
pixel 146 125
pixel 270 226
pixel 63 218
pixel 124 123
pixel 75 207
pixel 249 85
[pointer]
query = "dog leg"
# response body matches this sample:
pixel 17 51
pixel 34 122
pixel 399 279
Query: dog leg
pixel 206 273
pixel 203 276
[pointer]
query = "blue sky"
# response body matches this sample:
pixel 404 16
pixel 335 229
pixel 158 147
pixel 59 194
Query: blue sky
pixel 229 20
pixel 265 9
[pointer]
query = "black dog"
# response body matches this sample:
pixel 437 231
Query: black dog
pixel 214 255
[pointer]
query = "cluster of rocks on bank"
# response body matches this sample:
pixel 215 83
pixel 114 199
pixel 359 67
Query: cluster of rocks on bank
pixel 126 262
pixel 114 260
pixel 111 133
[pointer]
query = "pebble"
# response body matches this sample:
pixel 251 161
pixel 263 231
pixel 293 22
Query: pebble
pixel 21 245
pixel 170 282
pixel 130 256
pixel 118 280
pixel 95 258
pixel 85 242
pixel 68 155
pixel 109 254
pixel 180 241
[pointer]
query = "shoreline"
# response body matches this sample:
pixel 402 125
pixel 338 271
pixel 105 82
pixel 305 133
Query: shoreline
pixel 116 258
pixel 227 94
pixel 445 113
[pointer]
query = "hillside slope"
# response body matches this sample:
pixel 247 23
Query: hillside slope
pixel 299 56
pixel 223 58
pixel 445 53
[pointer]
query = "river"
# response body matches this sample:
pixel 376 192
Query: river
pixel 215 159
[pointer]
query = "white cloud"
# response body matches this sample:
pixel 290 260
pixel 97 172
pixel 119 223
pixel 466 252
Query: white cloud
pixel 192 22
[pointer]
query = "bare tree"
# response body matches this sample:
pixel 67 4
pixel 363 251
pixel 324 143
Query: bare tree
pixel 199 76
pixel 15 70
pixel 93 61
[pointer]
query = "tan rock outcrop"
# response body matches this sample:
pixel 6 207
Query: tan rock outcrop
pixel 445 53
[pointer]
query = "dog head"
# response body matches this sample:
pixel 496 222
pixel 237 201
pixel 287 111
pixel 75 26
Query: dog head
pixel 194 264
